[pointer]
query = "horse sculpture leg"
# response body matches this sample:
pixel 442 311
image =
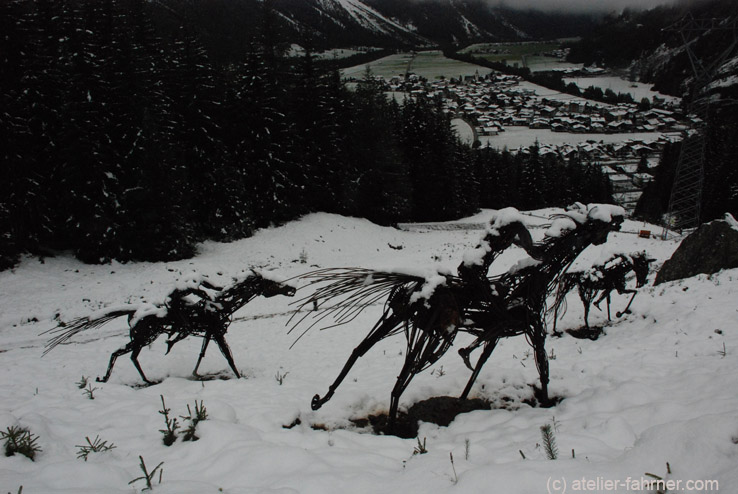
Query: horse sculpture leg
pixel 586 301
pixel 121 351
pixel 627 307
pixel 202 353
pixel 489 347
pixel 226 351
pixel 134 358
pixel 376 335
pixel 538 339
pixel 134 348
pixel 413 363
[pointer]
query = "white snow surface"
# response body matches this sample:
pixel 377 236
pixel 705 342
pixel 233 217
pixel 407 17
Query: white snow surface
pixel 658 387
pixel 731 221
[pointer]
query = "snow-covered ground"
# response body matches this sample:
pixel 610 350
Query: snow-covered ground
pixel 656 388
pixel 514 137
pixel 638 90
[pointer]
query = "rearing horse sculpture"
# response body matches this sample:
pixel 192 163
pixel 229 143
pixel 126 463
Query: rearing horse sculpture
pixel 520 303
pixel 431 309
pixel 189 311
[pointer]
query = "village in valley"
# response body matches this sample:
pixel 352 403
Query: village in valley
pixel 626 139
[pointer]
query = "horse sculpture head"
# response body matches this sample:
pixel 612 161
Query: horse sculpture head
pixel 641 267
pixel 270 288
pixel 580 226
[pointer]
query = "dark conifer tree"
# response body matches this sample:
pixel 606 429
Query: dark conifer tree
pixel 532 191
pixel 157 225
pixel 382 179
pixel 16 185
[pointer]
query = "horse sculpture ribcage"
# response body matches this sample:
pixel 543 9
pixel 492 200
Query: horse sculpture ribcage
pixel 202 310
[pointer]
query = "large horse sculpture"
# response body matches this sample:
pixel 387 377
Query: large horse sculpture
pixel 603 279
pixel 431 309
pixel 196 308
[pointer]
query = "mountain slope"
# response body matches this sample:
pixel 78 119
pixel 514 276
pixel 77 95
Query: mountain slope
pixel 383 23
pixel 659 385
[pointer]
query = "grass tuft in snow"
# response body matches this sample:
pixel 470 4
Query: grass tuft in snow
pixel 279 376
pixel 420 448
pixel 20 440
pixel 170 433
pixel 96 446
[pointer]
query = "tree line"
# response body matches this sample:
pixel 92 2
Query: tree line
pixel 121 139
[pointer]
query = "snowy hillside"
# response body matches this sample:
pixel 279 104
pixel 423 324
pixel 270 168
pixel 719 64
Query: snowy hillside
pixel 660 386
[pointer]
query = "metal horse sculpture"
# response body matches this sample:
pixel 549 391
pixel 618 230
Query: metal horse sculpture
pixel 430 310
pixel 520 304
pixel 603 279
pixel 189 311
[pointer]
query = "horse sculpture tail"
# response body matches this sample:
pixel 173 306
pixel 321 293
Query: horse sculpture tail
pixel 346 292
pixel 64 332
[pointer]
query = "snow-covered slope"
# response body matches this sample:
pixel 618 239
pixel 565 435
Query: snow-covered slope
pixel 658 387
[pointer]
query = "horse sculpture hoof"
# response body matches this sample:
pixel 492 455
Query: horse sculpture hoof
pixel 101 380
pixel 316 403
pixel 465 357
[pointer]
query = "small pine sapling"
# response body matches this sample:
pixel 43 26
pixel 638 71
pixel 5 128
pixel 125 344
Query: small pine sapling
pixel 201 413
pixel 549 442
pixel 148 476
pixel 170 433
pixel 82 384
pixel 90 391
pixel 20 440
pixel 96 446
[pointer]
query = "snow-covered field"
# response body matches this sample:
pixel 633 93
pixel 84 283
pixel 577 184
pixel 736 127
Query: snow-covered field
pixel 429 64
pixel 638 90
pixel 659 387
pixel 514 137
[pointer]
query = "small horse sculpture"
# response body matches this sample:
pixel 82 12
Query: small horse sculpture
pixel 190 310
pixel 602 279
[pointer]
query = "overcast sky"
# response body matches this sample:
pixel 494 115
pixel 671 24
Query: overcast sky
pixel 584 5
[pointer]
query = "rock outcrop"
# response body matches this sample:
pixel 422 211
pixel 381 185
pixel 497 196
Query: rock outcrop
pixel 712 247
